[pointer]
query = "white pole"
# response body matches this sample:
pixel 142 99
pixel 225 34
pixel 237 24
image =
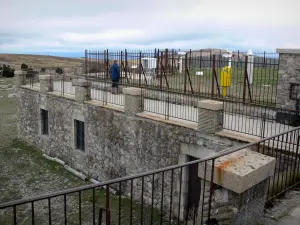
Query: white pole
pixel 250 65
pixel 229 62
pixel 180 64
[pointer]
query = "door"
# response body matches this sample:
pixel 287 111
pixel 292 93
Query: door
pixel 194 186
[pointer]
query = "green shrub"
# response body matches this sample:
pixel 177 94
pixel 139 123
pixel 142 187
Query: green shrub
pixel 24 66
pixel 59 70
pixel 7 71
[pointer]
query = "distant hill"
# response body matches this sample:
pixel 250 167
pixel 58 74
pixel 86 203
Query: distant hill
pixel 39 61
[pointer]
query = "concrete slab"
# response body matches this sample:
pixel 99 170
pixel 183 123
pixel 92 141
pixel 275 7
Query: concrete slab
pixel 245 168
pixel 289 220
pixel 296 213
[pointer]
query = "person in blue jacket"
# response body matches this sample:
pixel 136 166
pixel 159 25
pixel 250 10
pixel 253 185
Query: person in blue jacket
pixel 115 76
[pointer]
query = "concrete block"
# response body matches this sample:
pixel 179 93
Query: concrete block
pixel 80 82
pixel 45 77
pixel 239 171
pixel 20 72
pixel 288 50
pixel 132 91
pixel 210 105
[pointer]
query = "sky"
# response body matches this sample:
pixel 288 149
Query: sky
pixel 76 25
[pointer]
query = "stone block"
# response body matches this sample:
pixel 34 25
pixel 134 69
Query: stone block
pixel 288 50
pixel 133 101
pixel 80 82
pixel 239 171
pixel 210 121
pixel 210 105
pixel 20 76
pixel 132 91
pixel 45 77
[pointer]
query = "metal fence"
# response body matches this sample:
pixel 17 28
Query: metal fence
pixel 253 77
pixel 32 77
pixel 104 92
pixel 261 121
pixel 170 105
pixel 172 195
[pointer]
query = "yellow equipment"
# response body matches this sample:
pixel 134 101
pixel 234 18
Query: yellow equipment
pixel 225 79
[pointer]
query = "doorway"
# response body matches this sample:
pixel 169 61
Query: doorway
pixel 194 186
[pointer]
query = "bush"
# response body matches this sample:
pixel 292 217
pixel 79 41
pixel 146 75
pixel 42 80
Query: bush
pixel 59 70
pixel 43 70
pixel 7 71
pixel 24 66
pixel 31 72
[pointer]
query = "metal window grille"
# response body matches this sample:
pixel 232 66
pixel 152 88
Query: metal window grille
pixel 44 119
pixel 79 129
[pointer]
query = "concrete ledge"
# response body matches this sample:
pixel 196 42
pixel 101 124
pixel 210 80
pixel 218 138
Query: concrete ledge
pixel 80 82
pixel 210 105
pixel 288 50
pixel 20 72
pixel 59 94
pixel 45 77
pixel 114 107
pixel 239 171
pixel 132 91
pixel 173 121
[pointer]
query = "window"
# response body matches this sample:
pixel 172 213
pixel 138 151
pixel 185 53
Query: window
pixel 79 135
pixel 44 122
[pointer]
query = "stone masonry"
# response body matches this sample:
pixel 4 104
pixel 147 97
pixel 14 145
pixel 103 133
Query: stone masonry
pixel 118 142
pixel 289 72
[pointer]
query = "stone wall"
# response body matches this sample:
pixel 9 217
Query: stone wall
pixel 288 73
pixel 116 144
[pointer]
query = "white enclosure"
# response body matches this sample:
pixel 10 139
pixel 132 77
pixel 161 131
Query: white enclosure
pixel 149 63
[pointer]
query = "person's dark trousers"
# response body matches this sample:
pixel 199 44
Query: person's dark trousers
pixel 115 85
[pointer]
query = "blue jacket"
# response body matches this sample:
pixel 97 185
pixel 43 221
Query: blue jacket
pixel 115 72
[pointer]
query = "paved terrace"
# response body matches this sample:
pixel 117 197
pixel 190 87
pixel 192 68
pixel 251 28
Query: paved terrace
pixel 235 125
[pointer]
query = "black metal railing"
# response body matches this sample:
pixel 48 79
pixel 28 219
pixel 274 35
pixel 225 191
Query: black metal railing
pixel 253 77
pixel 171 195
pixel 258 120
pixel 107 92
pixel 32 77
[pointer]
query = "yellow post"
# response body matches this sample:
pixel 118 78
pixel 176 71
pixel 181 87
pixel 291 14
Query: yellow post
pixel 225 79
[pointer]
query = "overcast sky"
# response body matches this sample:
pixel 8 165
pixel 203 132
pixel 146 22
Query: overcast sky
pixel 75 25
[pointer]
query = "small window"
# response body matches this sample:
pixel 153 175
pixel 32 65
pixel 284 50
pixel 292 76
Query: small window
pixel 79 135
pixel 44 120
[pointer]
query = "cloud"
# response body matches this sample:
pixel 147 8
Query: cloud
pixel 75 25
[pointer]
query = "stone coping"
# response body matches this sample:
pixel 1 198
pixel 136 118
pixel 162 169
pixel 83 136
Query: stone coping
pixel 45 77
pixel 132 91
pixel 66 96
pixel 288 50
pixel 210 105
pixel 117 108
pixel 173 121
pixel 239 171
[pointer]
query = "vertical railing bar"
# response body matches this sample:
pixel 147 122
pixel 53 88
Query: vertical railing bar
pixel 203 192
pixel 32 213
pixel 171 196
pixel 131 199
pixel 94 207
pixel 15 214
pixel 211 187
pixel 152 199
pixel 79 203
pixel 142 202
pixel 120 203
pixel 65 209
pixel 107 205
pixel 49 211
pixel 162 198
pixel 179 201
